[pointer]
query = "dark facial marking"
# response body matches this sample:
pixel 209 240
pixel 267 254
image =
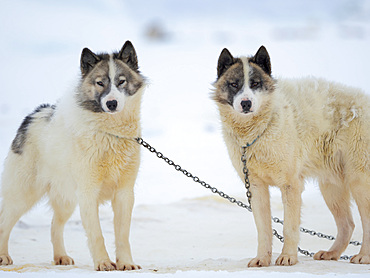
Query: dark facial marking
pixel 255 79
pixel 259 80
pixel 91 105
pixel 230 83
pixel 98 81
pixel 94 105
pixel 131 83
pixel 21 137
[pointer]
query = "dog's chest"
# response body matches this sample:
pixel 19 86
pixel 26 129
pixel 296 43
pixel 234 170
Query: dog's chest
pixel 117 158
pixel 107 158
pixel 264 165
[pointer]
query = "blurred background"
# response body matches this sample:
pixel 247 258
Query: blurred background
pixel 178 44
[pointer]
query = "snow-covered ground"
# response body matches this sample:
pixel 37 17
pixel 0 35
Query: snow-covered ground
pixel 179 229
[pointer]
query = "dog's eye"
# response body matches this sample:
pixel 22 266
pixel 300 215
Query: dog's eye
pixel 234 85
pixel 255 84
pixel 100 83
pixel 121 82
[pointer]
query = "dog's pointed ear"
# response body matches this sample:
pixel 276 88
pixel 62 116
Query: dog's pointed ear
pixel 128 55
pixel 88 61
pixel 225 61
pixel 262 59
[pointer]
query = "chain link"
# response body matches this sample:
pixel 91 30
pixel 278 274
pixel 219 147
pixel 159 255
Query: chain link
pixel 247 183
pixel 233 200
pixel 303 251
pixel 314 233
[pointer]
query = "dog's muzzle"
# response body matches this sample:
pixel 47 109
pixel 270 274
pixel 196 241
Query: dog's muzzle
pixel 246 106
pixel 112 105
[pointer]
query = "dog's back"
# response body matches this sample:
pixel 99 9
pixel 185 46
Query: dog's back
pixel 23 161
pixel 332 122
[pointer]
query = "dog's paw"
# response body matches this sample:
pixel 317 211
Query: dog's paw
pixel 360 259
pixel 326 255
pixel 106 265
pixel 64 260
pixel 260 261
pixel 127 266
pixel 286 260
pixel 5 260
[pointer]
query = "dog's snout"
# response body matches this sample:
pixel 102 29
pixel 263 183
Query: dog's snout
pixel 246 105
pixel 112 105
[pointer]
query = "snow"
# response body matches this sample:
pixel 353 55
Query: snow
pixel 179 229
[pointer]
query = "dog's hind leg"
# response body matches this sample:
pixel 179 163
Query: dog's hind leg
pixel 9 216
pixel 62 212
pixel 360 189
pixel 16 201
pixel 337 198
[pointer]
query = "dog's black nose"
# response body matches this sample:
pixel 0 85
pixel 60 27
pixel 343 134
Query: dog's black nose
pixel 246 105
pixel 112 105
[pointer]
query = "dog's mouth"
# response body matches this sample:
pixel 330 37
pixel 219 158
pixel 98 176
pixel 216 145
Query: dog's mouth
pixel 110 111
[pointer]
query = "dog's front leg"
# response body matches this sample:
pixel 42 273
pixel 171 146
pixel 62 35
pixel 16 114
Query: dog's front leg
pixel 122 204
pixel 89 209
pixel 262 217
pixel 291 195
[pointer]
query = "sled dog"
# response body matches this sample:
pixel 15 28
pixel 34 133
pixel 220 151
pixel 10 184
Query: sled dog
pixel 301 128
pixel 77 152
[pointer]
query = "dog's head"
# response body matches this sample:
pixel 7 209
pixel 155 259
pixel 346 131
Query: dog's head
pixel 243 83
pixel 108 80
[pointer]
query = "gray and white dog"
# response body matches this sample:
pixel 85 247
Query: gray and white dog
pixel 80 151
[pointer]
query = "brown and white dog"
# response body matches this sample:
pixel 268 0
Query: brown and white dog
pixel 76 152
pixel 305 127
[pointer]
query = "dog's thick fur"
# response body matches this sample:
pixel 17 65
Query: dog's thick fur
pixel 305 127
pixel 77 152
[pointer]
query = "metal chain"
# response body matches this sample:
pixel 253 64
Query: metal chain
pixel 314 233
pixel 190 175
pixel 306 252
pixel 247 183
pixel 233 200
